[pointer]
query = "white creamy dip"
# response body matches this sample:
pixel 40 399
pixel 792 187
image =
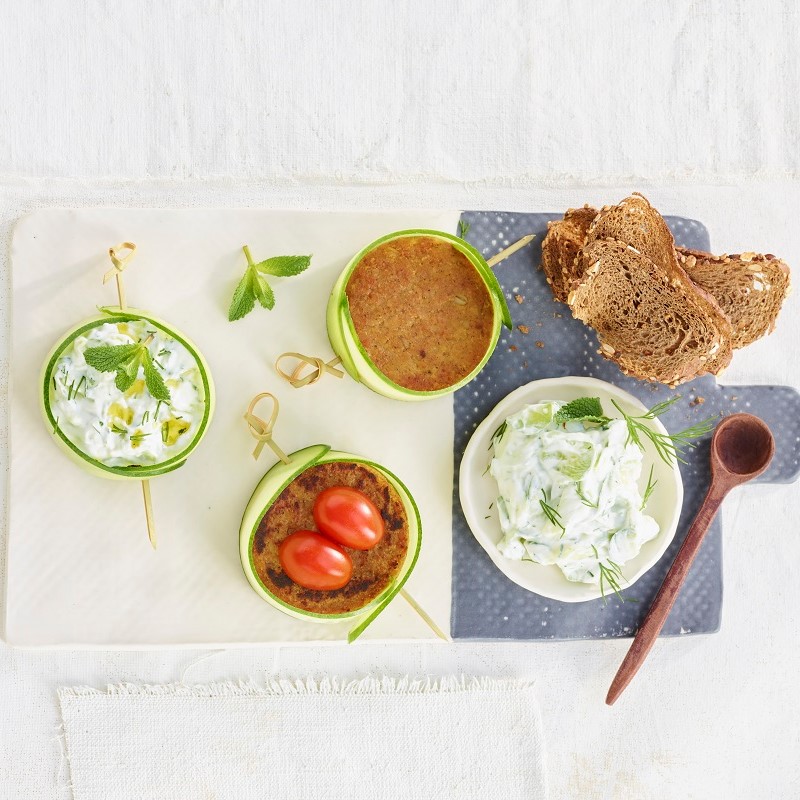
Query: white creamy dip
pixel 569 493
pixel 128 428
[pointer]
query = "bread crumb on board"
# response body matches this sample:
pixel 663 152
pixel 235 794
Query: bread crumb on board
pixel 524 329
pixel 697 401
pixel 539 344
pixel 519 298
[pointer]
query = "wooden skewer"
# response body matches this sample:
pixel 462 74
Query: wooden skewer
pixel 148 513
pixel 120 262
pixel 510 250
pixel 425 616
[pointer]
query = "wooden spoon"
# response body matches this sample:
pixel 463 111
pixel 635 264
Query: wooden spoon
pixel 741 449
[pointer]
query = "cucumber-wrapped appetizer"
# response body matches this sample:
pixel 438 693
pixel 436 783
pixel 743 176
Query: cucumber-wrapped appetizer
pixel 416 314
pixel 327 535
pixel 125 394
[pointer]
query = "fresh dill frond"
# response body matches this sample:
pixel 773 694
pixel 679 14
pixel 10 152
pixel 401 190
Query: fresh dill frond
pixel 463 228
pixel 137 437
pixel 551 513
pixel 610 573
pixel 651 484
pixel 146 416
pixel 81 385
pixel 498 434
pixel 669 446
pixel 158 406
pixel 585 500
pixel 117 429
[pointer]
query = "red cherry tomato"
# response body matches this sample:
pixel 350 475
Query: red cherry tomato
pixel 314 561
pixel 349 517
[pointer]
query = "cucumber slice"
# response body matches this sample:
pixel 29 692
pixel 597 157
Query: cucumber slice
pixel 355 359
pixel 270 488
pixel 91 465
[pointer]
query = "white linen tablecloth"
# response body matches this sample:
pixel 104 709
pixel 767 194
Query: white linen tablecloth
pixel 456 104
pixel 306 740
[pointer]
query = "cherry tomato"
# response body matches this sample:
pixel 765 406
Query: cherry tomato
pixel 314 561
pixel 349 517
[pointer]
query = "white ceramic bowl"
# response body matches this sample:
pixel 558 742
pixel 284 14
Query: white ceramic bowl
pixel 478 489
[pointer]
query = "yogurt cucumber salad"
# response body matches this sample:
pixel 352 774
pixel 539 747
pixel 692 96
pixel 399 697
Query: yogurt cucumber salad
pixel 127 395
pixel 569 487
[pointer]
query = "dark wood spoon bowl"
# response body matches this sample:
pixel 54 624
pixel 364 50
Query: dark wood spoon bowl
pixel 741 449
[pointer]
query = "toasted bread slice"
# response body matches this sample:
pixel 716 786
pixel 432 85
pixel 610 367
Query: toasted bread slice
pixel 635 222
pixel 750 288
pixel 561 246
pixel 649 319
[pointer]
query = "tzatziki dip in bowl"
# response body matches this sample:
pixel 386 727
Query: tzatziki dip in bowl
pixel 563 499
pixel 126 395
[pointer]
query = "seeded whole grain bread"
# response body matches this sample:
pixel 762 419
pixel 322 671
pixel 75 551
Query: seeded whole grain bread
pixel 651 321
pixel 562 244
pixel 748 290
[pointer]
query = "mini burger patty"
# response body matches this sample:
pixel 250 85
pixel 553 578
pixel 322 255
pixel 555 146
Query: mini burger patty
pixel 373 570
pixel 421 311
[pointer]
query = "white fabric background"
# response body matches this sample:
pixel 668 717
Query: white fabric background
pixel 457 104
pixel 306 740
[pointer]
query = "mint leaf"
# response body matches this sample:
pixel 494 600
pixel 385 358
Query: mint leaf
pixel 588 409
pixel 244 299
pixel 109 358
pixel 124 380
pixel 253 286
pixel 263 292
pixel 153 380
pixel 284 266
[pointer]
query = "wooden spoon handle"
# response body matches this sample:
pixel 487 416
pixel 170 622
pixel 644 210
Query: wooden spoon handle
pixel 665 599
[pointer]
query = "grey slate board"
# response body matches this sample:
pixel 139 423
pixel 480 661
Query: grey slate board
pixel 485 604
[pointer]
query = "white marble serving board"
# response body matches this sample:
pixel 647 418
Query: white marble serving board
pixel 81 572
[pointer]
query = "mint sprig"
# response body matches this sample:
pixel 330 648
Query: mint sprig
pixel 126 360
pixel 669 447
pixel 583 409
pixel 254 286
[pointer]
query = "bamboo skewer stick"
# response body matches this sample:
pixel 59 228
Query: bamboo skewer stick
pixel 425 616
pixel 510 250
pixel 120 262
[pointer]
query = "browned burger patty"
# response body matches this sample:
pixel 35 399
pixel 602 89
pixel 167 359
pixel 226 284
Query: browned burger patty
pixel 422 312
pixel 373 570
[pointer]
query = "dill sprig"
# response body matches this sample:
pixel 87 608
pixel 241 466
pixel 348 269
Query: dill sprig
pixel 117 429
pixel 651 484
pixel 463 229
pixel 498 434
pixel 585 500
pixel 136 438
pixel 610 573
pixel 551 513
pixel 668 446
